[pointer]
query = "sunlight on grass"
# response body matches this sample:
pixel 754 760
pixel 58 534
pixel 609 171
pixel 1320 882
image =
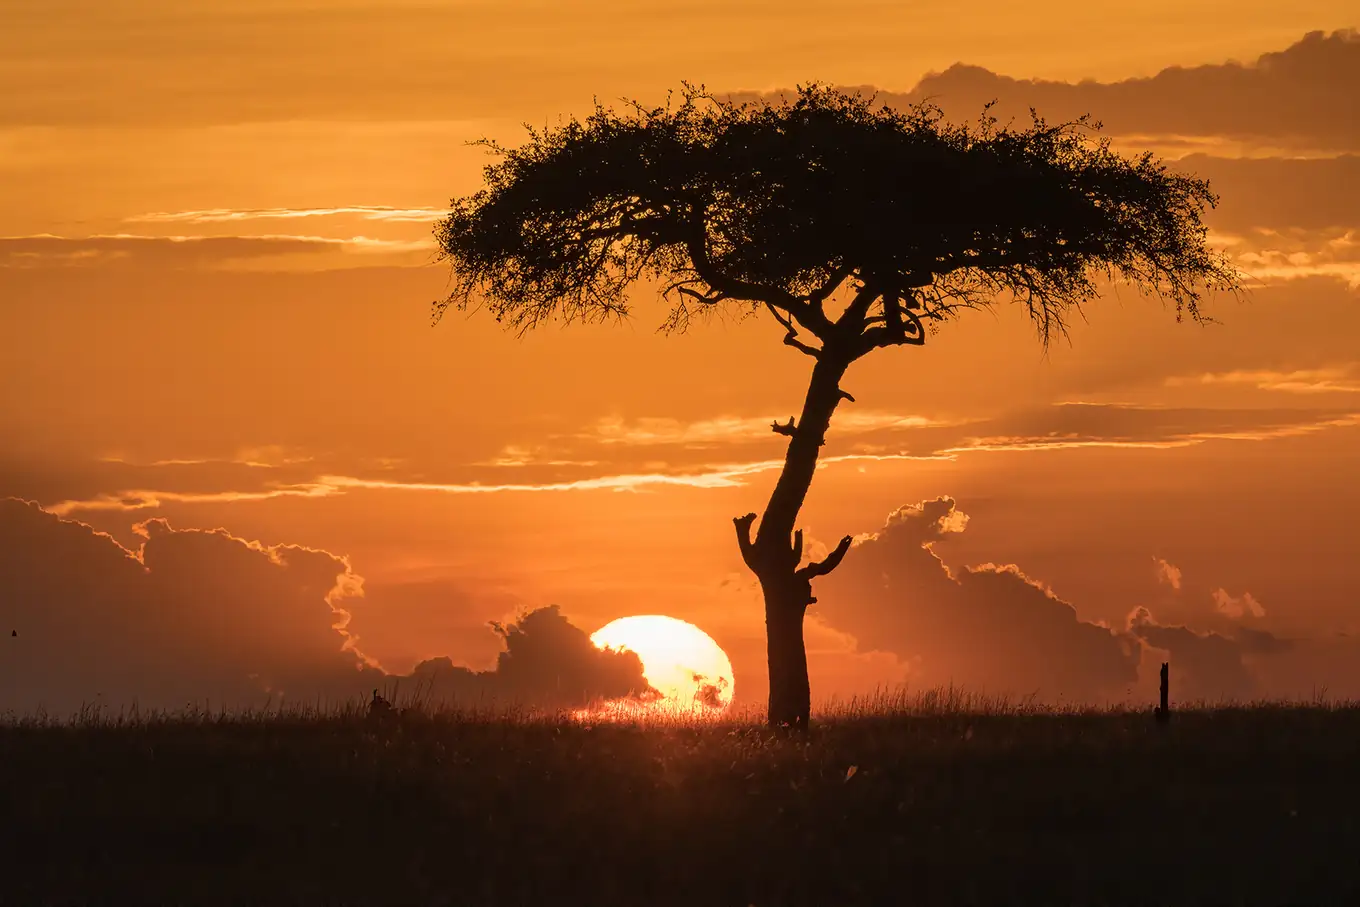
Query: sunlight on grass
pixel 886 704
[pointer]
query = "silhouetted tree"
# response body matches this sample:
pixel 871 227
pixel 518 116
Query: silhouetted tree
pixel 854 226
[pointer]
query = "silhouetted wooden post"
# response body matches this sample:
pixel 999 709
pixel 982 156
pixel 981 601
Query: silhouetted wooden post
pixel 1163 711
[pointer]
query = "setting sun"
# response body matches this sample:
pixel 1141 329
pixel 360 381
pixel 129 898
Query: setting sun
pixel 680 661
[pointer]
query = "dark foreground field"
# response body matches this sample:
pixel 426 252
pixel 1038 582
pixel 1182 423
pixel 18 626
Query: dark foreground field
pixel 1229 806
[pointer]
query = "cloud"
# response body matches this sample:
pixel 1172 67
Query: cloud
pixel 1273 136
pixel 1344 379
pixel 1232 607
pixel 1209 666
pixel 194 615
pixel 232 215
pixel 547 662
pixel 47 250
pixel 1083 424
pixel 708 432
pixel 986 627
pixel 1168 573
pixel 1274 256
pixel 143 499
pixel 994 628
pixel 595 463
pixel 191 614
pixel 1280 193
pixel 1290 98
pixel 671 446
pixel 729 475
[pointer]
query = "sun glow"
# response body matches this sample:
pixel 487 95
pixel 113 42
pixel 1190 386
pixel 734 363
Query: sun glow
pixel 683 664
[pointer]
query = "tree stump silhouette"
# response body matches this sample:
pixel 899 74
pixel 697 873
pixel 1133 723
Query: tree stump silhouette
pixel 1163 711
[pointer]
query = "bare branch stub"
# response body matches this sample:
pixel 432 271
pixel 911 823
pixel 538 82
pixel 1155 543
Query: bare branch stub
pixel 743 524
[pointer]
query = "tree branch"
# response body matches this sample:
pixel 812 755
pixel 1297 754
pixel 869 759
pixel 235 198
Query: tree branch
pixel 712 297
pixel 809 316
pixel 852 319
pixel 894 331
pixel 791 338
pixel 748 551
pixel 823 567
pixel 838 277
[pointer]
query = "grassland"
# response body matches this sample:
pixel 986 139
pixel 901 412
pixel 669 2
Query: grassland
pixel 932 799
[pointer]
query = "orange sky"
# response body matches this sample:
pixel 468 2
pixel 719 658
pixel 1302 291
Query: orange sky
pixel 215 277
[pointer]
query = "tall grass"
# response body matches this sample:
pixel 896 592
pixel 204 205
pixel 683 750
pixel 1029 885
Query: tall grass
pixel 932 796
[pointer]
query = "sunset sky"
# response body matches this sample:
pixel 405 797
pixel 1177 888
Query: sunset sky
pixel 216 271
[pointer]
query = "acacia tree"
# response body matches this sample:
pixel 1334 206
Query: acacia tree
pixel 855 227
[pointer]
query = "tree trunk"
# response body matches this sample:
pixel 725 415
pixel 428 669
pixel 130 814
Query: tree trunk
pixel 775 554
pixel 790 691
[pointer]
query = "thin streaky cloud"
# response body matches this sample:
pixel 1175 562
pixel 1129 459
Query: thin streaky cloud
pixel 269 457
pixel 227 215
pixel 1188 439
pixel 392 244
pixel 1022 443
pixel 514 455
pixel 726 476
pixel 143 499
pixel 1298 381
pixel 1346 271
pixel 660 431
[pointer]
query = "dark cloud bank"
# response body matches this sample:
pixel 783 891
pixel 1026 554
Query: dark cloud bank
pixel 1299 97
pixel 195 616
pixel 200 615
pixel 992 628
pixel 1284 108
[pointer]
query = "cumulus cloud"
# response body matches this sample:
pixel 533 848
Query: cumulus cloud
pixel 1236 607
pixel 1209 666
pixel 986 627
pixel 1291 98
pixel 1168 573
pixel 197 615
pixel 1276 137
pixel 547 662
pixel 997 629
pixel 191 614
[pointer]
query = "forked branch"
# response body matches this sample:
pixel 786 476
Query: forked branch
pixel 825 566
pixel 791 338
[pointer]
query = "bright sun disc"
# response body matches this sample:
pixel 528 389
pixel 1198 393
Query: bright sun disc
pixel 683 663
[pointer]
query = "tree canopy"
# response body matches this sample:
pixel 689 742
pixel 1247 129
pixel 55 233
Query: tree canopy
pixel 781 204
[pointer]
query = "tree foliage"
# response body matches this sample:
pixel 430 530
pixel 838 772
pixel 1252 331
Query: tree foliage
pixel 783 204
